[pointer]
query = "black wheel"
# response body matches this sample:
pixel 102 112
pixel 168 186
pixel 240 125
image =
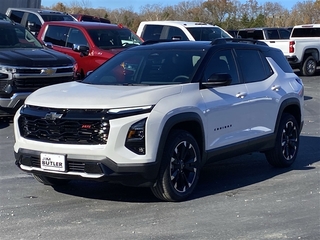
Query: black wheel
pixel 309 66
pixel 287 143
pixel 179 172
pixel 50 181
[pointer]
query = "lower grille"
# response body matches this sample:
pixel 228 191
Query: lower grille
pixel 81 167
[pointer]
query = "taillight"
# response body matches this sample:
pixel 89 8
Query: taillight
pixel 291 46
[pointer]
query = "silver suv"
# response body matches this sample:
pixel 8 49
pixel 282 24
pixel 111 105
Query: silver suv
pixel 157 113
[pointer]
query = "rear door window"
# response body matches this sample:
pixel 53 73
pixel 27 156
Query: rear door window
pixel 57 35
pixel 254 66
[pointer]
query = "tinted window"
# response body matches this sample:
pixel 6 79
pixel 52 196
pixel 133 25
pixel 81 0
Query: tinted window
pixel 75 36
pixel 56 35
pixel 32 18
pixel 207 33
pixel 254 67
pixel 57 17
pixel 253 34
pixel 17 37
pixel 272 34
pixel 16 16
pixel 284 34
pixel 152 32
pixel 171 32
pixel 222 62
pixel 113 38
pixel 306 32
pixel 147 67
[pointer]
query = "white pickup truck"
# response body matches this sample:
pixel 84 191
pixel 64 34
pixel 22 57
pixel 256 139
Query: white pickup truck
pixel 302 49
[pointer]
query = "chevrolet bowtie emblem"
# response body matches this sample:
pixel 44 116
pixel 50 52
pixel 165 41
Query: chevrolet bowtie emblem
pixel 48 71
pixel 53 116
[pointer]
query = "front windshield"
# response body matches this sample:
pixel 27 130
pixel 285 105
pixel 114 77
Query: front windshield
pixel 114 38
pixel 16 36
pixel 207 33
pixel 147 67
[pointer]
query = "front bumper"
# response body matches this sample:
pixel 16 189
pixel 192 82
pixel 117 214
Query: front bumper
pixel 92 169
pixel 8 106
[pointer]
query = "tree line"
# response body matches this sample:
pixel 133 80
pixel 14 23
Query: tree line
pixel 228 14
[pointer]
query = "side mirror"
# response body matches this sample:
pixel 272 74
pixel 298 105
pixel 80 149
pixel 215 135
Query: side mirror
pixel 218 79
pixel 48 45
pixel 32 27
pixel 82 49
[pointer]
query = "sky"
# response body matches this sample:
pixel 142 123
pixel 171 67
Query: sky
pixel 135 5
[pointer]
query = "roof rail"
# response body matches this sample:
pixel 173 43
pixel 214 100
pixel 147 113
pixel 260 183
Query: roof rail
pixel 244 40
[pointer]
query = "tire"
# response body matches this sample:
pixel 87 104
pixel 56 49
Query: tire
pixel 50 181
pixel 180 168
pixel 309 66
pixel 287 143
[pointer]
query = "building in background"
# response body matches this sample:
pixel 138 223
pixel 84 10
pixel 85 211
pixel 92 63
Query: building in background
pixel 4 4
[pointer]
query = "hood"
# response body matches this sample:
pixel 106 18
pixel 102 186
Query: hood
pixel 85 96
pixel 34 57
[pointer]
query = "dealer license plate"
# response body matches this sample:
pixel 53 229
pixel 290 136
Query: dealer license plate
pixel 53 162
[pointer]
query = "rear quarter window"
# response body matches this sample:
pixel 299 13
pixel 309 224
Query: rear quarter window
pixel 280 59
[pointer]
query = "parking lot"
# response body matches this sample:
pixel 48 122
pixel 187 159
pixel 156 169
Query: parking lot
pixel 241 198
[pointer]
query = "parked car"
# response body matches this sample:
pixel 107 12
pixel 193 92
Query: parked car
pixel 90 18
pixel 33 18
pixel 155 114
pixel 89 43
pixel 180 30
pixel 302 48
pixel 26 65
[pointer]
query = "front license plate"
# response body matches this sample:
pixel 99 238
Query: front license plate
pixel 53 162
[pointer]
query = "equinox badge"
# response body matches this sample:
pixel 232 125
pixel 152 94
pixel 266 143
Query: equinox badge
pixel 53 116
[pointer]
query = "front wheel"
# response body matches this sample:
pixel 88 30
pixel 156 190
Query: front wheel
pixel 286 147
pixel 50 181
pixel 309 66
pixel 179 172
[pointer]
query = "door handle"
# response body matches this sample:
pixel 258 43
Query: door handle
pixel 241 94
pixel 275 88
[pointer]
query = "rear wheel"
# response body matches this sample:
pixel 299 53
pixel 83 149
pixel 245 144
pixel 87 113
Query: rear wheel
pixel 287 143
pixel 179 172
pixel 309 66
pixel 50 181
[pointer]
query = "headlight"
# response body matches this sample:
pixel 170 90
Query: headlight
pixel 7 69
pixel 135 140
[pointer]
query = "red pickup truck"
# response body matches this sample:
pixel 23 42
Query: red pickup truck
pixel 89 43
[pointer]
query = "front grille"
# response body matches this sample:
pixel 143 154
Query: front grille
pixel 64 126
pixel 35 83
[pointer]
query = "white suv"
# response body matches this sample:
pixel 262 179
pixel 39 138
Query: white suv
pixel 155 114
pixel 180 30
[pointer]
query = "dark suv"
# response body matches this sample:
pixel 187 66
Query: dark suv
pixel 33 18
pixel 155 114
pixel 26 65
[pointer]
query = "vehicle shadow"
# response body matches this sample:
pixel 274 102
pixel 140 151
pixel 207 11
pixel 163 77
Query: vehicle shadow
pixel 5 122
pixel 224 177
